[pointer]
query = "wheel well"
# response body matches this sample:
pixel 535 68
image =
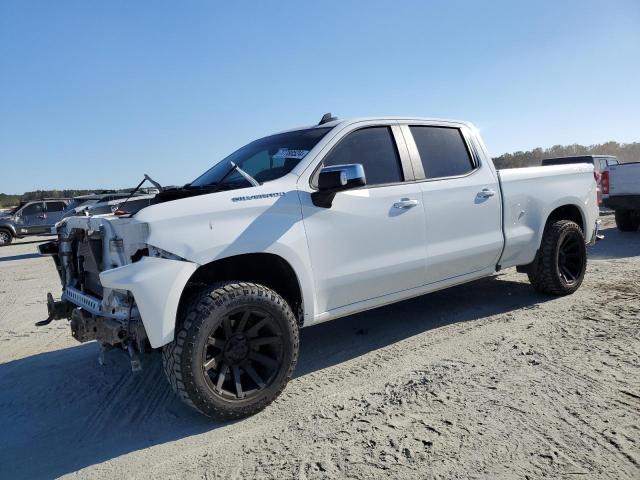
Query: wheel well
pixel 264 268
pixel 567 212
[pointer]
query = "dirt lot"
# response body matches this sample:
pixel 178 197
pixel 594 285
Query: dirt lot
pixel 486 380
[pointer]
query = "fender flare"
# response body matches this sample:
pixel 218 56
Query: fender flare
pixel 10 228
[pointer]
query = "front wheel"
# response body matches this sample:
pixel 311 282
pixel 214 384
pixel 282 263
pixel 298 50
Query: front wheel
pixel 561 262
pixel 235 349
pixel 5 237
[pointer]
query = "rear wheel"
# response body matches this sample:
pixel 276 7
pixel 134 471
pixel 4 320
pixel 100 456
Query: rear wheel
pixel 234 351
pixel 5 237
pixel 561 262
pixel 627 220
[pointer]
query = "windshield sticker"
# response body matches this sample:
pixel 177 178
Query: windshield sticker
pixel 288 153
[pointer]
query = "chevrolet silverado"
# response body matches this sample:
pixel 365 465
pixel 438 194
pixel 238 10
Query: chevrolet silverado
pixel 306 226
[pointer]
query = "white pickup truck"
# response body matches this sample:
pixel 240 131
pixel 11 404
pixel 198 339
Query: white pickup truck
pixel 306 226
pixel 621 193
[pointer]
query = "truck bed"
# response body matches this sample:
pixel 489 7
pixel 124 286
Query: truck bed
pixel 526 194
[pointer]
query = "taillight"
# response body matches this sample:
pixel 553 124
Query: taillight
pixel 604 182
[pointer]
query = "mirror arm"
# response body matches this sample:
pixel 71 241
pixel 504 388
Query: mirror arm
pixel 323 199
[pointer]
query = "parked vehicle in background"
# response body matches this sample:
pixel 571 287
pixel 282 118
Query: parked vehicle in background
pixel 599 162
pixel 306 226
pixel 101 204
pixel 621 193
pixel 35 217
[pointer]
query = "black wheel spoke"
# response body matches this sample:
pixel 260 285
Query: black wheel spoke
pixel 221 377
pixel 263 359
pixel 243 321
pixel 212 362
pixel 228 331
pixel 567 274
pixel 216 342
pixel 257 342
pixel 253 331
pixel 238 382
pixel 254 375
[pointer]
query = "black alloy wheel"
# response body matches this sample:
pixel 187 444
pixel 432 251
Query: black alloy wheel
pixel 570 259
pixel 235 348
pixel 561 261
pixel 243 354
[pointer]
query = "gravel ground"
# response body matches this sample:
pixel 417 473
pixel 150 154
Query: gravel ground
pixel 485 380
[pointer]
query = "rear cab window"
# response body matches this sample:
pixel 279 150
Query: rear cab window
pixel 443 151
pixel 56 206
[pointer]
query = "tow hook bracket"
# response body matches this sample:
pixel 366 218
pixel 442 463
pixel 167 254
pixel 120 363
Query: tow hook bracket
pixel 103 349
pixel 136 365
pixel 56 311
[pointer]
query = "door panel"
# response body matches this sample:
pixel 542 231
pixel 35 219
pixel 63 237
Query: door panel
pixel 461 200
pixel 371 241
pixel 55 212
pixel 33 217
pixel 464 230
pixel 363 247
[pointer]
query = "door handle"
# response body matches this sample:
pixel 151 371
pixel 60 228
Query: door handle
pixel 486 193
pixel 43 217
pixel 405 203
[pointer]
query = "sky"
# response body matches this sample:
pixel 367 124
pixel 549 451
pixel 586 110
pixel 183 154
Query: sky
pixel 95 94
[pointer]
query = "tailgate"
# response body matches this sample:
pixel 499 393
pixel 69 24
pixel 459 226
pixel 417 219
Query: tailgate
pixel 624 179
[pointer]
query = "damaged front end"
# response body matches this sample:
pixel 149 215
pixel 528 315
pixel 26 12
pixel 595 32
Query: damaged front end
pixel 104 267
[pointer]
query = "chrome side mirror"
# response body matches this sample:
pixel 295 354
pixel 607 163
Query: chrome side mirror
pixel 337 178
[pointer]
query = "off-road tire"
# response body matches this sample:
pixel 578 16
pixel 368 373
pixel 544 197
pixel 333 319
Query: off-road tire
pixel 545 273
pixel 205 313
pixel 5 237
pixel 627 220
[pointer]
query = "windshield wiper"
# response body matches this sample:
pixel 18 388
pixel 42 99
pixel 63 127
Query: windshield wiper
pixel 249 178
pixel 218 185
pixel 135 190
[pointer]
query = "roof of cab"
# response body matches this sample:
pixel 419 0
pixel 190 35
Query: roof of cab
pixel 349 121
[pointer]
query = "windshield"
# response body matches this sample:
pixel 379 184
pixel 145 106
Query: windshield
pixel 15 209
pixel 265 159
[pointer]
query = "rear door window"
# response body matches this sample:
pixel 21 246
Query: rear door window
pixel 373 148
pixel 443 151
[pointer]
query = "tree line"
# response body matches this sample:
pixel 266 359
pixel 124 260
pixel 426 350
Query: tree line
pixel 626 152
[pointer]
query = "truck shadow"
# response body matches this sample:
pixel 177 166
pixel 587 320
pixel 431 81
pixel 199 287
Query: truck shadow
pixel 62 412
pixel 23 256
pixel 616 244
